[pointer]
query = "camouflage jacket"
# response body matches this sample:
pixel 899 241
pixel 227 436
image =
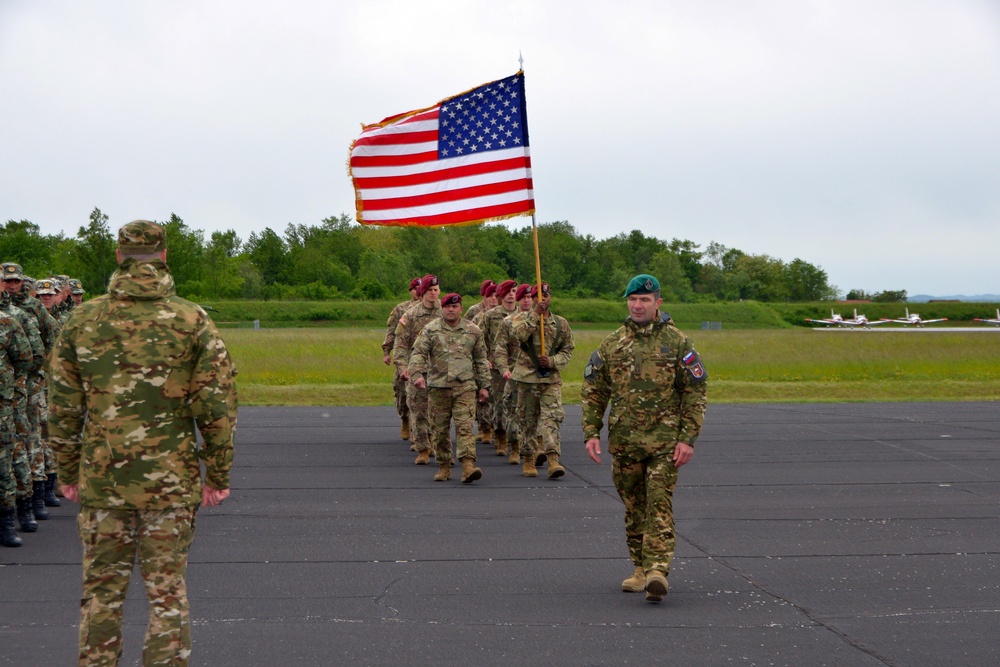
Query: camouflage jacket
pixel 15 355
pixel 656 386
pixel 30 330
pixel 133 372
pixel 48 327
pixel 390 326
pixel 474 310
pixel 489 321
pixel 450 357
pixel 506 348
pixel 559 347
pixel 413 320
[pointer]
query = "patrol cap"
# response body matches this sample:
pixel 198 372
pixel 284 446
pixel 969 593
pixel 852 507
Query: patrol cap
pixel 545 289
pixel 485 286
pixel 504 288
pixel 76 286
pixel 56 283
pixel 12 271
pixel 522 291
pixel 451 298
pixel 415 283
pixel 642 284
pixel 29 283
pixel 141 237
pixel 46 286
pixel 426 283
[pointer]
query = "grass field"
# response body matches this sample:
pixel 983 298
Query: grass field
pixel 343 366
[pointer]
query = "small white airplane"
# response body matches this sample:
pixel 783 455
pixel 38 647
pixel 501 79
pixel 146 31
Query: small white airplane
pixel 985 321
pixel 914 319
pixel 856 321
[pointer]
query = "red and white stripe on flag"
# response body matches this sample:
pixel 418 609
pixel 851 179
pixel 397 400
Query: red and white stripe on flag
pixel 465 160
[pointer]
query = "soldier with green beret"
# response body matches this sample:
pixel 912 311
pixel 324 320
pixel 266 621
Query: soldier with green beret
pixel 655 383
pixel 135 375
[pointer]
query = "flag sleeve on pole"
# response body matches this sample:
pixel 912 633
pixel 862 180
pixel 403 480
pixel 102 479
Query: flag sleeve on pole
pixel 465 160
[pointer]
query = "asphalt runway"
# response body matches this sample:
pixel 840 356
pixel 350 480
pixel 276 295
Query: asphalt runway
pixel 846 534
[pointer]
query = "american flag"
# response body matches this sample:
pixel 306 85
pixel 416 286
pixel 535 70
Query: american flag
pixel 463 161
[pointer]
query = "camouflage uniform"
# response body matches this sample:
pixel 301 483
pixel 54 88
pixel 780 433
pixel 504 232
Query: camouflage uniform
pixel 506 349
pixel 655 384
pixel 490 321
pixel 483 416
pixel 474 310
pixel 398 383
pixel 452 359
pixel 539 399
pixel 133 373
pixel 15 358
pixel 410 325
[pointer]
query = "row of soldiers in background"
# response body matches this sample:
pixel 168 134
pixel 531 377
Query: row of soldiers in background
pixel 31 314
pixel 496 346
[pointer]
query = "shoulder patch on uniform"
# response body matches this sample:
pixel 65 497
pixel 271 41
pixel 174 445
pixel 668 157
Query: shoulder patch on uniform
pixel 402 320
pixel 593 365
pixel 692 362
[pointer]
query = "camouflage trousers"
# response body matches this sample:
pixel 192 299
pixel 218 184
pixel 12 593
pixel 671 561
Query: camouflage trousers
pixel 484 417
pixel 496 401
pixel 444 406
pixel 39 403
pixel 399 393
pixel 113 540
pixel 27 426
pixel 8 486
pixel 416 400
pixel 539 416
pixel 510 409
pixel 647 489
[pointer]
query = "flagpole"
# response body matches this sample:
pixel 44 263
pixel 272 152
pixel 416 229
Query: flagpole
pixel 538 282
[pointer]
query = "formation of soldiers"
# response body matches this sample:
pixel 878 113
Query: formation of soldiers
pixel 496 366
pixel 31 314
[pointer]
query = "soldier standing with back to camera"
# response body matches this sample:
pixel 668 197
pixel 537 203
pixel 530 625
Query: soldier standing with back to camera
pixel 449 361
pixel 413 320
pixel 398 383
pixel 651 375
pixel 133 375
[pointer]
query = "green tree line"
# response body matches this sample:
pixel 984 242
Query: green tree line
pixel 339 259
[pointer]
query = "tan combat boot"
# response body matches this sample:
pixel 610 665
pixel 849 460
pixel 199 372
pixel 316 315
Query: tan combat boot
pixel 500 441
pixel 528 468
pixel 656 586
pixel 404 429
pixel 539 453
pixel 515 454
pixel 443 473
pixel 470 472
pixel 555 470
pixel 486 437
pixel 636 583
pixel 423 458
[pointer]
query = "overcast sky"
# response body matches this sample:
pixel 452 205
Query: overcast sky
pixel 861 136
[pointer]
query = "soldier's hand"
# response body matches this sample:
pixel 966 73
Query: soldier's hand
pixel 387 359
pixel 71 491
pixel 506 375
pixel 682 453
pixel 404 375
pixel 211 497
pixel 594 449
pixel 484 395
pixel 543 361
pixel 420 383
pixel 541 308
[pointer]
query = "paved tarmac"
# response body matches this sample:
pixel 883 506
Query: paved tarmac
pixel 848 534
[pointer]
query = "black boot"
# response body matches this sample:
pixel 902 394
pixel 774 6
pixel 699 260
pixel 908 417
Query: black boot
pixel 38 501
pixel 25 517
pixel 8 534
pixel 50 491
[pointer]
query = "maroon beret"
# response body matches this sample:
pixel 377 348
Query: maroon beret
pixel 545 289
pixel 485 286
pixel 426 283
pixel 491 290
pixel 505 287
pixel 414 283
pixel 451 298
pixel 522 290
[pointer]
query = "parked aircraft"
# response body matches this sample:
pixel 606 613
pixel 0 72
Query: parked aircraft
pixel 914 319
pixel 856 321
pixel 985 321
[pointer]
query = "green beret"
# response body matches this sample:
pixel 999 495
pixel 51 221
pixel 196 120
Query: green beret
pixel 642 284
